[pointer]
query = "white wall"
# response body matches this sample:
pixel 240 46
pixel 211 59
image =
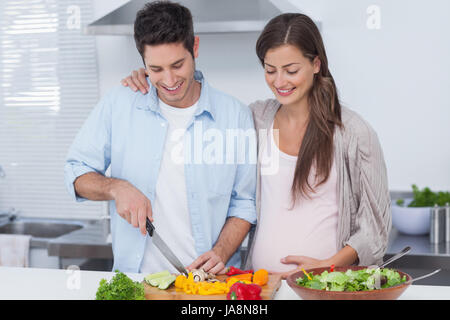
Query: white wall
pixel 397 77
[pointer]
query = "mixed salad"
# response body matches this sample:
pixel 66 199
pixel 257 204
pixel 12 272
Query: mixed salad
pixel 360 280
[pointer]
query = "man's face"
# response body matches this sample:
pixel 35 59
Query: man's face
pixel 171 68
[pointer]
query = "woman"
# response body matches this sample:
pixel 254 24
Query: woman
pixel 328 201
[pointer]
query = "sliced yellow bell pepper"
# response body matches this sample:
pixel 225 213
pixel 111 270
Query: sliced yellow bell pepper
pixel 189 286
pixel 234 280
pixel 307 274
pixel 179 281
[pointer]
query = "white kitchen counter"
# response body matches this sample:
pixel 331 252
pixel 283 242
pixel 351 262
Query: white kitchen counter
pixel 56 284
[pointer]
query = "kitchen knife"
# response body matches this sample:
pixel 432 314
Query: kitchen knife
pixel 165 250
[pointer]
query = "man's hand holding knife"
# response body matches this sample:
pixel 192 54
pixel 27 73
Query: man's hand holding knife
pixel 133 206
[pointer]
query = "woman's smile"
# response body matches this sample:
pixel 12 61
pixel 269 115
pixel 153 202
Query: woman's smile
pixel 285 92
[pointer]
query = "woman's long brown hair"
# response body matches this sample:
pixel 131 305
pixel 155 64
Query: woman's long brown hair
pixel 324 108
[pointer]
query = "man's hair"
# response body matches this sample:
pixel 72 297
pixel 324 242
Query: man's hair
pixel 163 22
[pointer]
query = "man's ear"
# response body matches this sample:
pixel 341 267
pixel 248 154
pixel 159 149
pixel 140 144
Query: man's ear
pixel 196 45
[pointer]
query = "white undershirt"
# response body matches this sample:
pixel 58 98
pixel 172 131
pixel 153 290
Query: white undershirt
pixel 170 209
pixel 308 229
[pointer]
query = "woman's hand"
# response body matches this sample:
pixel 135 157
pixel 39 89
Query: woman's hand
pixel 137 81
pixel 344 257
pixel 303 262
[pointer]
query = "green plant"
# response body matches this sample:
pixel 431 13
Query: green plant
pixel 426 198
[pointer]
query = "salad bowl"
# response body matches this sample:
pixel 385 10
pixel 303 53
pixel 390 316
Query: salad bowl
pixel 390 293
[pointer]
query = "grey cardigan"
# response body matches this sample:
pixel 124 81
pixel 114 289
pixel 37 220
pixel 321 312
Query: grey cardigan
pixel 364 202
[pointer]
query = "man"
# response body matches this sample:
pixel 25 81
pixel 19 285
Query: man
pixel 202 209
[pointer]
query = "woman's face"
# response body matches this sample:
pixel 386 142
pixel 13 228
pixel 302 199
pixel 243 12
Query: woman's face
pixel 289 74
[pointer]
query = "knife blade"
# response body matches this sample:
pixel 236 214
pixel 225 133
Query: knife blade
pixel 164 248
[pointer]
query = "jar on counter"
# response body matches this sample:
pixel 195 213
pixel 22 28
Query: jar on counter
pixel 437 225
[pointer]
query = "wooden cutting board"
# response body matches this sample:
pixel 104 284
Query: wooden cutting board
pixel 153 293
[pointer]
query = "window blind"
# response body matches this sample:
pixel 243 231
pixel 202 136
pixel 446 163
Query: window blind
pixel 48 86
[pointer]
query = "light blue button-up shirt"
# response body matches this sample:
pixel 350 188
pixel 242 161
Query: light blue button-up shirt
pixel 127 131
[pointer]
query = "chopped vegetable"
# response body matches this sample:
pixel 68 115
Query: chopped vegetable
pixel 332 268
pixel 244 276
pixel 360 280
pixel 207 288
pixel 234 271
pixel 201 275
pixel 164 282
pixel 242 291
pixel 306 274
pixel 121 287
pixel 232 281
pixel 156 275
pixel 190 286
pixel 261 277
pixel 180 280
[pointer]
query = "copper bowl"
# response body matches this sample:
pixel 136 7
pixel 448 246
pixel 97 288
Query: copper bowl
pixel 391 293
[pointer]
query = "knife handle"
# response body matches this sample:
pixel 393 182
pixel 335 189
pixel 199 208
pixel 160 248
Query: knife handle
pixel 150 227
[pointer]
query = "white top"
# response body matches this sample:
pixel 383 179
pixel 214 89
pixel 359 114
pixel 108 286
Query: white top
pixel 307 229
pixel 170 209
